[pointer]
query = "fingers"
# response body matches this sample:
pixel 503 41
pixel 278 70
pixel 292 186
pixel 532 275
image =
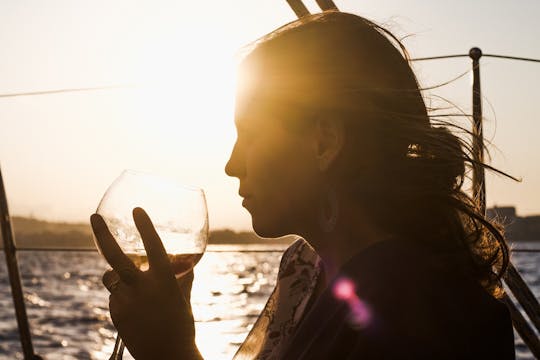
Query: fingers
pixel 112 252
pixel 111 280
pixel 116 310
pixel 120 291
pixel 185 283
pixel 157 256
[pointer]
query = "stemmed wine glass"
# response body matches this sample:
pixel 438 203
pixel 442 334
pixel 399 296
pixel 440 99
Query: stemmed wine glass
pixel 178 212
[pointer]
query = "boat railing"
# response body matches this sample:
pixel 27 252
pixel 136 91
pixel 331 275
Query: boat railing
pixel 514 281
pixel 219 250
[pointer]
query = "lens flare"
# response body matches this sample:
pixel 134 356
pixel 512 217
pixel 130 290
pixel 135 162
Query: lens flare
pixel 344 289
pixel 360 315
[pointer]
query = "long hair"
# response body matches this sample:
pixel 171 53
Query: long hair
pixel 405 167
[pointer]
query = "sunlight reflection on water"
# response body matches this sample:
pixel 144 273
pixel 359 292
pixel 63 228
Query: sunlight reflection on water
pixel 229 293
pixel 68 307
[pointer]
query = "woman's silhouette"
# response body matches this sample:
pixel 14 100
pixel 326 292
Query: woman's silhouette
pixel 335 145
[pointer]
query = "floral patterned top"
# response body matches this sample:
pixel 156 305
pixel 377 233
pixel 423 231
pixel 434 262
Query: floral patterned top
pixel 297 279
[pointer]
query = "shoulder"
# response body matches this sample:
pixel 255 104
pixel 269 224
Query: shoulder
pixel 403 307
pixel 426 306
pixel 397 274
pixel 298 253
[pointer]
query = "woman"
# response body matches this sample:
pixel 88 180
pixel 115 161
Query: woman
pixel 335 145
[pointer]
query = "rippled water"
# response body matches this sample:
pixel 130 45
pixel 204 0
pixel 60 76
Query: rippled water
pixel 68 306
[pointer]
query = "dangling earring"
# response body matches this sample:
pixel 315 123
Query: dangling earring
pixel 329 211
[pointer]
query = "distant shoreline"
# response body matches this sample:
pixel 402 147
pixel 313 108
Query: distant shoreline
pixel 32 233
pixel 40 234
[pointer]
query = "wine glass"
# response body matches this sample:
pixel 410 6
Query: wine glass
pixel 178 212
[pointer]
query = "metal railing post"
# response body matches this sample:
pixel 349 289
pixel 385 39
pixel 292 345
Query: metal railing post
pixel 479 182
pixel 299 8
pixel 14 276
pixel 512 278
pixel 326 5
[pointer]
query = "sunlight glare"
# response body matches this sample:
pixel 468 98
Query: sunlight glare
pixel 188 91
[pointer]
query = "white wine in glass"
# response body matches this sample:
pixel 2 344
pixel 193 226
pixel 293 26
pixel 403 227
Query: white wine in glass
pixel 178 212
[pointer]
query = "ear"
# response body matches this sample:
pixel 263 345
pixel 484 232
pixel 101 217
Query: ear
pixel 330 138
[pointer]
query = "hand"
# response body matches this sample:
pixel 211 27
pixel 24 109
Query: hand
pixel 149 309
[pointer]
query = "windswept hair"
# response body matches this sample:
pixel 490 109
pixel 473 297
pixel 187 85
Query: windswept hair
pixel 407 168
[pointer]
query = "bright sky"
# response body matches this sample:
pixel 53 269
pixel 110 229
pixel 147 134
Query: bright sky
pixel 60 152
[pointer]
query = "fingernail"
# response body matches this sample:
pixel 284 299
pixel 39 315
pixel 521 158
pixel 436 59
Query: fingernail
pixel 139 213
pixel 96 221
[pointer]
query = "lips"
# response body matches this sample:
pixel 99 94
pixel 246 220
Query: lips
pixel 246 199
pixel 245 195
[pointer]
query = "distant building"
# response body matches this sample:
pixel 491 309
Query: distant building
pixel 517 228
pixel 501 213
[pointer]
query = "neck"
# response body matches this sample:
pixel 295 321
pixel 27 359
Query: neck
pixel 351 234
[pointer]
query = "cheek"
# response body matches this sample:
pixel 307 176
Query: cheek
pixel 279 165
pixel 267 172
pixel 283 177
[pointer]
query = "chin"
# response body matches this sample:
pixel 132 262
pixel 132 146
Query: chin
pixel 266 230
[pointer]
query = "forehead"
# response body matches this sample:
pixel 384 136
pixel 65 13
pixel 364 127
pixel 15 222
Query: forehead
pixel 251 112
pixel 274 95
pixel 258 114
pixel 258 109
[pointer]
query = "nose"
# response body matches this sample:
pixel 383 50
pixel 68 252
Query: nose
pixel 235 166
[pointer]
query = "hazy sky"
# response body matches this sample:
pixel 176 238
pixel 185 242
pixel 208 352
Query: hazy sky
pixel 59 153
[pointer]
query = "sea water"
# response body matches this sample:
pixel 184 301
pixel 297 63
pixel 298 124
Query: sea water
pixel 68 306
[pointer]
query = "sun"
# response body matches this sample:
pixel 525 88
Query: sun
pixel 187 90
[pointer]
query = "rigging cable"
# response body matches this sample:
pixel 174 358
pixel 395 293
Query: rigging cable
pixel 97 88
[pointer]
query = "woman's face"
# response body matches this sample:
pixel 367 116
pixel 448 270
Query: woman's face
pixel 276 167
